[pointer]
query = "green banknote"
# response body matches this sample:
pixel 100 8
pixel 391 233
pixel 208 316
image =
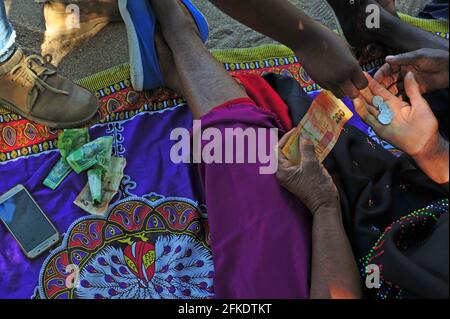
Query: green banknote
pixel 57 175
pixel 68 141
pixel 97 152
pixel 95 184
pixel 71 140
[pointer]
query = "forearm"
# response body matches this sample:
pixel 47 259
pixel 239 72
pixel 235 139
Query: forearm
pixel 278 19
pixel 435 162
pixel 334 270
pixel 403 37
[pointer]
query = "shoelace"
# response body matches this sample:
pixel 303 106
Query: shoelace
pixel 24 71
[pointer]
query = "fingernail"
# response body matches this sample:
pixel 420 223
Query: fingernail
pixel 390 57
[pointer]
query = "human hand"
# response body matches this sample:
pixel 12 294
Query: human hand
pixel 414 128
pixel 430 67
pixel 330 62
pixel 309 181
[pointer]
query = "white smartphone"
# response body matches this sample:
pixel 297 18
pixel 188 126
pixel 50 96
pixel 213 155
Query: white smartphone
pixel 26 221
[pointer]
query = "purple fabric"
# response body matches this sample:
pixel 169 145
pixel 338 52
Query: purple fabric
pixel 145 142
pixel 260 233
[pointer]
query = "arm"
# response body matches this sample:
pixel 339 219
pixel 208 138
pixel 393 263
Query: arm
pixel 433 160
pixel 319 49
pixel 278 19
pixel 334 271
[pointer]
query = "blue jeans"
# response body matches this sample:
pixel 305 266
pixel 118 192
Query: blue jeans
pixel 7 35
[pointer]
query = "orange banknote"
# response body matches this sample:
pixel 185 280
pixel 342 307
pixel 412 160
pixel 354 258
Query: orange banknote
pixel 322 124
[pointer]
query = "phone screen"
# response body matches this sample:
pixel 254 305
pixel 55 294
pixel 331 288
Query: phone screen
pixel 26 221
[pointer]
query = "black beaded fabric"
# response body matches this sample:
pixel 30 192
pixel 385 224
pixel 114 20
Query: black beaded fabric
pixel 412 256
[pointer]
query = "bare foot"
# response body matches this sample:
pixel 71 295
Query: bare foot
pixel 205 81
pixel 174 19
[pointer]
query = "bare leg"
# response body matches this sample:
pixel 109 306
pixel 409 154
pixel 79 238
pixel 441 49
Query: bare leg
pixel 167 64
pixel 393 33
pixel 203 81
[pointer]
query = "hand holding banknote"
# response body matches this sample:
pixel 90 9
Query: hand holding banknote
pixel 308 180
pixel 304 149
pixel 322 124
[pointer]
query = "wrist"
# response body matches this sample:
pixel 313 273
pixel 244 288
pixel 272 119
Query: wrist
pixel 330 215
pixel 434 148
pixel 328 208
pixel 433 159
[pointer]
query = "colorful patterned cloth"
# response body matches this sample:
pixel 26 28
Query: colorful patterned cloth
pixel 147 245
pixel 154 241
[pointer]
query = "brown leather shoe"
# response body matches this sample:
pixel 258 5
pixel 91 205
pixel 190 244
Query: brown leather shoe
pixel 31 88
pixel 67 23
pixel 61 16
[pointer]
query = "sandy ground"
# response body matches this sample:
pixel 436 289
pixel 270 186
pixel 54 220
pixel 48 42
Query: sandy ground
pixel 109 47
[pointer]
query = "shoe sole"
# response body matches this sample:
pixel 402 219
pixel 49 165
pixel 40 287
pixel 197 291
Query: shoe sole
pixel 146 75
pixel 44 122
pixel 136 65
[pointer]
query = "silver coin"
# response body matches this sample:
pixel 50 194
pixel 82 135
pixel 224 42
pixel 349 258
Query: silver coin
pixel 385 118
pixel 377 101
pixel 384 107
pixel 390 113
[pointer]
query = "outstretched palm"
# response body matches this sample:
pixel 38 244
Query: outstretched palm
pixel 414 125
